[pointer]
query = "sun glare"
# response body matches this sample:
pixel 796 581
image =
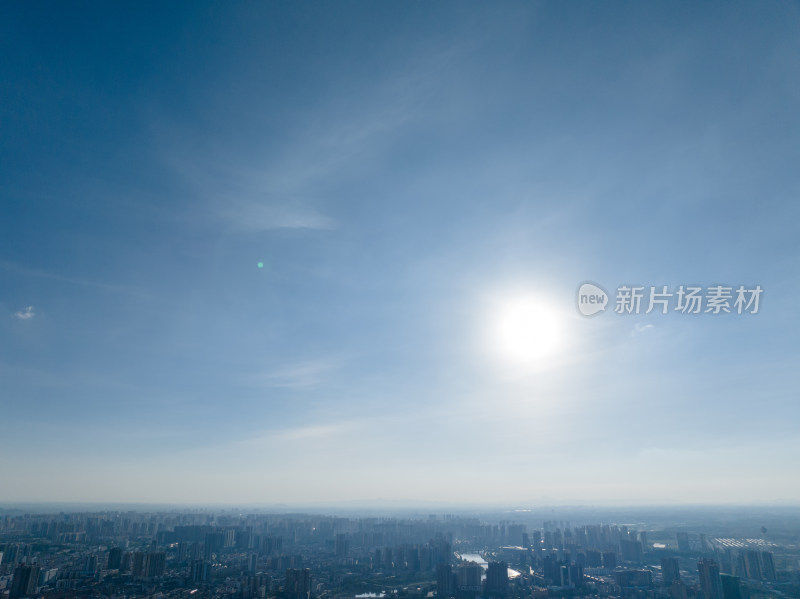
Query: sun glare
pixel 525 331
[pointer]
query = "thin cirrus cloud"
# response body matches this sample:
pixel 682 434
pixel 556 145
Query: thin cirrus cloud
pixel 26 271
pixel 256 189
pixel 245 200
pixel 255 217
pixel 276 439
pixel 295 376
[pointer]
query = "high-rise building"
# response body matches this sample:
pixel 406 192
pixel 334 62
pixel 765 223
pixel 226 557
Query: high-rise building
pixel 678 590
pixel 47 576
pixel 633 578
pixel 91 564
pixel 537 542
pixel 245 539
pixel 631 551
pixel 230 538
pixel 127 562
pixel 548 540
pixel 137 567
pixel 514 534
pixel 199 571
pixel 726 563
pixel 575 572
pixel 497 578
pixel 342 545
pixel 594 558
pixel 731 588
pixel 683 542
pixel 551 569
pixel 213 545
pixel 445 581
pixel 710 580
pixel 469 577
pixel 24 581
pixel 739 567
pixel 670 570
pixel 752 564
pixel 768 566
pixel 298 583
pixel 154 564
pixel 114 558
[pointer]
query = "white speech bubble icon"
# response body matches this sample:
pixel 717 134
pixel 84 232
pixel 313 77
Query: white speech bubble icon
pixel 591 299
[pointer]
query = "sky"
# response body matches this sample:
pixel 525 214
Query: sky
pixel 318 252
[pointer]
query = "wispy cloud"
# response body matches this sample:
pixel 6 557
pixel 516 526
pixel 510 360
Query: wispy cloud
pixel 254 216
pixel 316 431
pixel 42 274
pixel 639 329
pixel 310 436
pixel 287 185
pixel 25 314
pixel 295 376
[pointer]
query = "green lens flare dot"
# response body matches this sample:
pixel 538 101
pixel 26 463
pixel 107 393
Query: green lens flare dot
pixel 261 265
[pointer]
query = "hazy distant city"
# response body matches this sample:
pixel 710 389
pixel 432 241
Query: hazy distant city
pixel 709 553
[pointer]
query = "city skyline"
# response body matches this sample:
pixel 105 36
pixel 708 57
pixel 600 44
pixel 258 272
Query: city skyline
pixel 330 253
pixel 246 555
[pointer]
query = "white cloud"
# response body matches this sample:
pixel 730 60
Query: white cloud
pixel 641 328
pixel 25 314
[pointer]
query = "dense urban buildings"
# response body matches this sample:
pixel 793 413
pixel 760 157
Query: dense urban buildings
pixel 511 555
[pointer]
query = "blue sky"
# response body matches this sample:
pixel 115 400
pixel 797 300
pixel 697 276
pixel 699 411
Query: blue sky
pixel 403 172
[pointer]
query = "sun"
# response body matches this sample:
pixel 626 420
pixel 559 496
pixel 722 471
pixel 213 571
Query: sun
pixel 525 330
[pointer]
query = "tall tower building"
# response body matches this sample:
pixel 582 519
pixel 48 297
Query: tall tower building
pixel 469 577
pixel 298 583
pixel 25 581
pixel 537 542
pixel 199 571
pixel 445 581
pixel 678 590
pixel 731 588
pixel 155 564
pixel 114 558
pixel 768 566
pixel 752 564
pixel 497 578
pixel 670 570
pixel 710 580
pixel 341 545
pixel 137 568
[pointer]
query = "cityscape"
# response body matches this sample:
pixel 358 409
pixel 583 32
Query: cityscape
pixel 227 553
pixel 399 299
